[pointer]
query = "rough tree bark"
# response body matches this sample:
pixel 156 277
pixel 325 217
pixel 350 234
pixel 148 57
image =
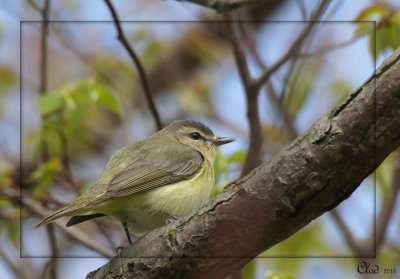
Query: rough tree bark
pixel 310 176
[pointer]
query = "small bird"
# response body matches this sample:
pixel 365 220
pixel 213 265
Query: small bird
pixel 165 176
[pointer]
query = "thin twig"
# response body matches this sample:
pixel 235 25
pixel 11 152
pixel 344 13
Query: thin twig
pixel 347 234
pixel 302 8
pixel 35 6
pixel 43 48
pixel 239 55
pixel 295 46
pixel 43 67
pixel 51 265
pixel 65 158
pixel 18 270
pixel 75 233
pixel 138 64
pixel 253 155
pixel 330 48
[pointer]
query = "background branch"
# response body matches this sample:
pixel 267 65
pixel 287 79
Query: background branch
pixel 73 232
pixel 138 64
pixel 296 46
pixel 253 155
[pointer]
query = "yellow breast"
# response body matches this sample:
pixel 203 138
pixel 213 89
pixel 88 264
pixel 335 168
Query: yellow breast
pixel 148 210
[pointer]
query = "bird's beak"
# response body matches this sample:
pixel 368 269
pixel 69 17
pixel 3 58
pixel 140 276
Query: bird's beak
pixel 221 141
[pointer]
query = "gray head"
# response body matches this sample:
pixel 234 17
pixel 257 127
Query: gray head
pixel 196 135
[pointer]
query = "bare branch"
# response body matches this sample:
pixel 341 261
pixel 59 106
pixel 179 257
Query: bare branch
pixel 347 234
pixel 44 47
pixel 35 6
pixel 295 47
pixel 16 267
pixel 332 47
pixel 240 58
pixel 253 155
pixel 136 61
pixel 75 233
pixel 51 265
pixel 44 152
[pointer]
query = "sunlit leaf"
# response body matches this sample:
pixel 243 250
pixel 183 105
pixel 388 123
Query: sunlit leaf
pixel 151 51
pixel 387 35
pixel 373 12
pixel 279 275
pixel 249 271
pixel 50 103
pixel 13 233
pixel 307 241
pixel 384 175
pixel 340 89
pixel 222 167
pixel 107 99
pixel 7 78
pixel 237 157
pixel 44 175
pixel 301 83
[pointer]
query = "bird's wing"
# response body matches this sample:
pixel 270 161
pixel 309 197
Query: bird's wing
pixel 159 167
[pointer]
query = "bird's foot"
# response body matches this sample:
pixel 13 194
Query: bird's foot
pixel 172 219
pixel 119 251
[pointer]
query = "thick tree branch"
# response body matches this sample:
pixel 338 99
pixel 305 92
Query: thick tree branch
pixel 309 177
pixel 138 64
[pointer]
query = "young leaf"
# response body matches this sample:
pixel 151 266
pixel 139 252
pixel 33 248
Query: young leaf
pixel 50 103
pixel 107 99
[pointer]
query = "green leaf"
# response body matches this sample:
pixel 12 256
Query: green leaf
pixel 50 103
pixel 384 175
pixel 151 51
pixel 279 275
pixel 7 78
pixel 307 241
pixel 44 175
pixel 107 99
pixel 237 157
pixel 373 12
pixel 13 233
pixel 340 89
pixel 249 271
pixel 301 83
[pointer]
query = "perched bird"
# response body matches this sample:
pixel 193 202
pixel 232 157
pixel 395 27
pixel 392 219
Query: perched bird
pixel 167 175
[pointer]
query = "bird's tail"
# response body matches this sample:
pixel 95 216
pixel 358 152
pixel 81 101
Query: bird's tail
pixel 58 214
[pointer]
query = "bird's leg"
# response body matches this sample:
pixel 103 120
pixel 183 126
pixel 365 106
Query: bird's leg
pixel 119 251
pixel 126 229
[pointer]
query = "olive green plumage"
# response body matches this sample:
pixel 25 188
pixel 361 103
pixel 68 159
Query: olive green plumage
pixel 169 174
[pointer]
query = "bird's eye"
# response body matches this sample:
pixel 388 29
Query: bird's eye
pixel 195 136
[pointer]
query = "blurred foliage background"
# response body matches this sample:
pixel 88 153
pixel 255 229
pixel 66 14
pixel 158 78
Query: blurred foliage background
pixel 70 97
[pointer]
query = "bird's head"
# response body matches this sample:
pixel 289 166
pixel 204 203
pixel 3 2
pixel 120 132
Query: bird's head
pixel 197 136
